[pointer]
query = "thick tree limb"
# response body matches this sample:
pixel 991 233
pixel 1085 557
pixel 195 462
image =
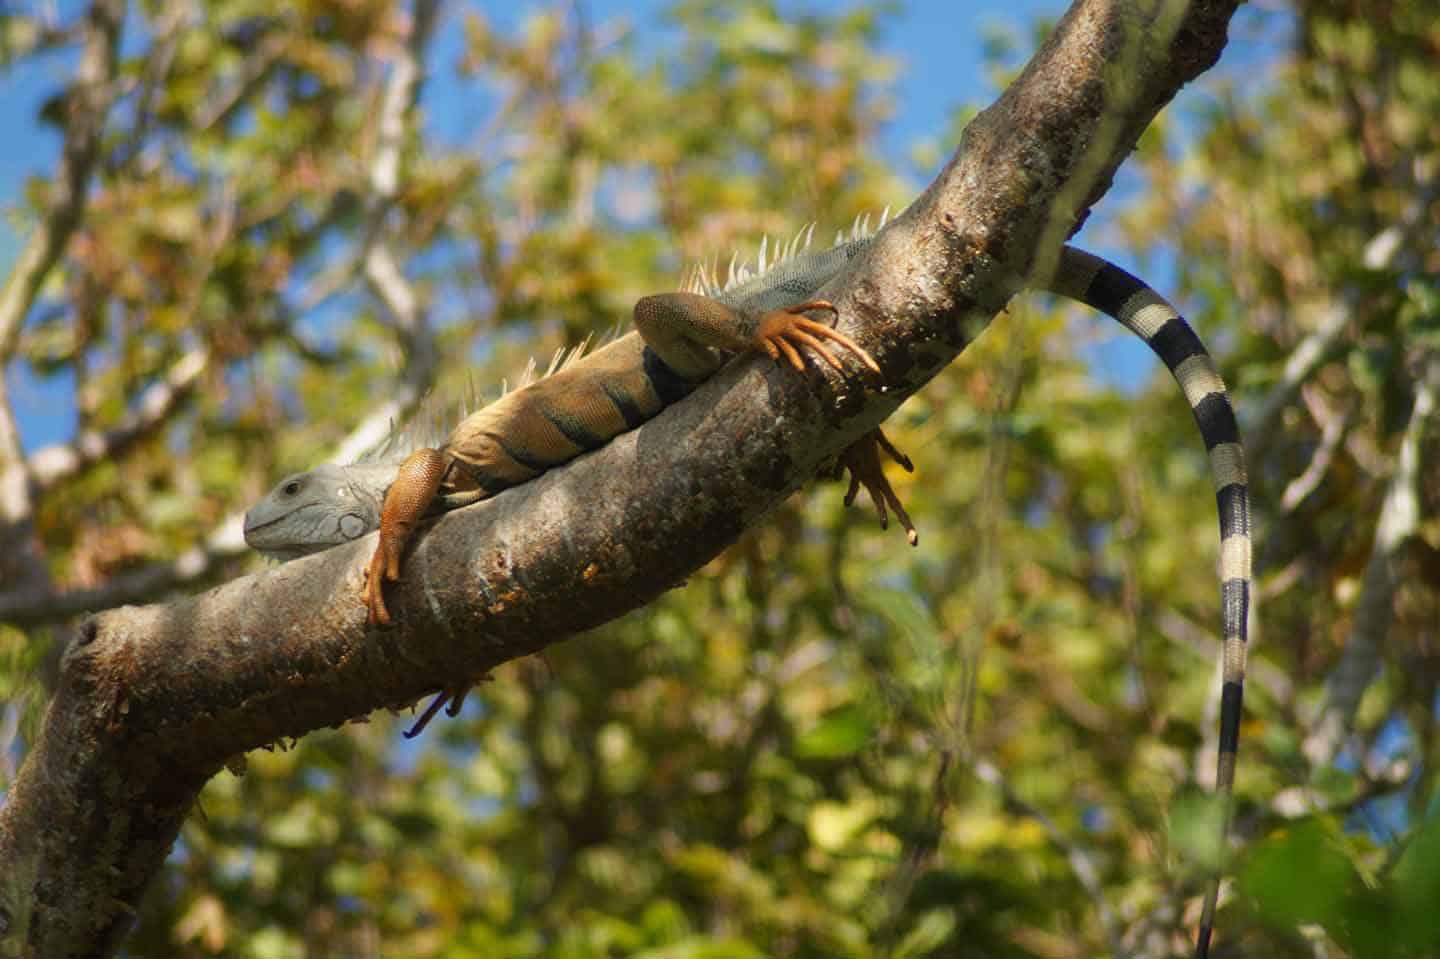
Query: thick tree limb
pixel 152 700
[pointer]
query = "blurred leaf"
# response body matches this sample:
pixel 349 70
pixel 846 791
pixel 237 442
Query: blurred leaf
pixel 833 826
pixel 1195 828
pixel 929 933
pixel 1414 887
pixel 840 733
pixel 1302 875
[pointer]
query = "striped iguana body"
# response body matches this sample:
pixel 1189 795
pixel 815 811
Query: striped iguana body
pixel 682 339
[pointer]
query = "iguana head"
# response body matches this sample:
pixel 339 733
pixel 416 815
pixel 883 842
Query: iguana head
pixel 315 510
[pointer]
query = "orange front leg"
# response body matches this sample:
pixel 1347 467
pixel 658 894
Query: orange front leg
pixel 406 501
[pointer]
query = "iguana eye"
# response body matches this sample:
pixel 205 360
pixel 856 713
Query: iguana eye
pixel 292 487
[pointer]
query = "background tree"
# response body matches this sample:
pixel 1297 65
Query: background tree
pixel 827 744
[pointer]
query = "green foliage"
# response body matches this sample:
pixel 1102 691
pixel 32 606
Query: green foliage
pixel 827 744
pixel 1385 916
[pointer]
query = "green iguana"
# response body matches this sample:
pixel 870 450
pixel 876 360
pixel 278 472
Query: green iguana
pixel 683 338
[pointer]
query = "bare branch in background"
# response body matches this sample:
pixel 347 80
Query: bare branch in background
pixel 158 404
pixel 87 105
pixel 26 608
pixel 1201 641
pixel 1333 429
pixel 157 64
pixel 1311 354
pixel 53 464
pixel 386 277
pixel 1399 520
pixel 253 72
pixel 1327 342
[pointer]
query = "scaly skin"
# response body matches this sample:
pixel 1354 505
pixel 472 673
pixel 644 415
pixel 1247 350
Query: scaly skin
pixel 683 339
pixel 613 389
pixel 580 408
pixel 406 501
pixel 1109 289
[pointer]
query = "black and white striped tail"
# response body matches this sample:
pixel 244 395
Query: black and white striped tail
pixel 1097 283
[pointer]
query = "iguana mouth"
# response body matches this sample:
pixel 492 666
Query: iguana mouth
pixel 252 527
pixel 287 551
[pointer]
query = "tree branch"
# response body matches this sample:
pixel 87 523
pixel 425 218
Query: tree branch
pixel 152 700
pixel 1328 342
pixel 1399 520
pixel 87 105
pixel 384 275
pixel 41 604
pixel 58 462
pixel 160 401
pixel 35 602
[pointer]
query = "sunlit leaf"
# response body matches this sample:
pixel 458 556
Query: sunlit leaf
pixel 841 733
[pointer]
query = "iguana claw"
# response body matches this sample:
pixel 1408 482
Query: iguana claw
pixel 455 696
pixel 782 331
pixel 862 459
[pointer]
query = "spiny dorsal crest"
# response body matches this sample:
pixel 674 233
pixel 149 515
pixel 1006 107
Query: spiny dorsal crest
pixel 704 278
pixel 435 418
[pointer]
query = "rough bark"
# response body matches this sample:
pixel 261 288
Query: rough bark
pixel 154 699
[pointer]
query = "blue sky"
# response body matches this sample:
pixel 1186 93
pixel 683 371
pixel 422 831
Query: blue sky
pixel 937 44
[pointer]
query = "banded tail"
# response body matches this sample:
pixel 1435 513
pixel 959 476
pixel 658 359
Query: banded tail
pixel 1097 283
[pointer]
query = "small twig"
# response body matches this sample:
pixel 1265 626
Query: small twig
pixel 252 73
pixel 1333 430
pixel 88 104
pixel 1184 632
pixel 53 464
pixel 157 62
